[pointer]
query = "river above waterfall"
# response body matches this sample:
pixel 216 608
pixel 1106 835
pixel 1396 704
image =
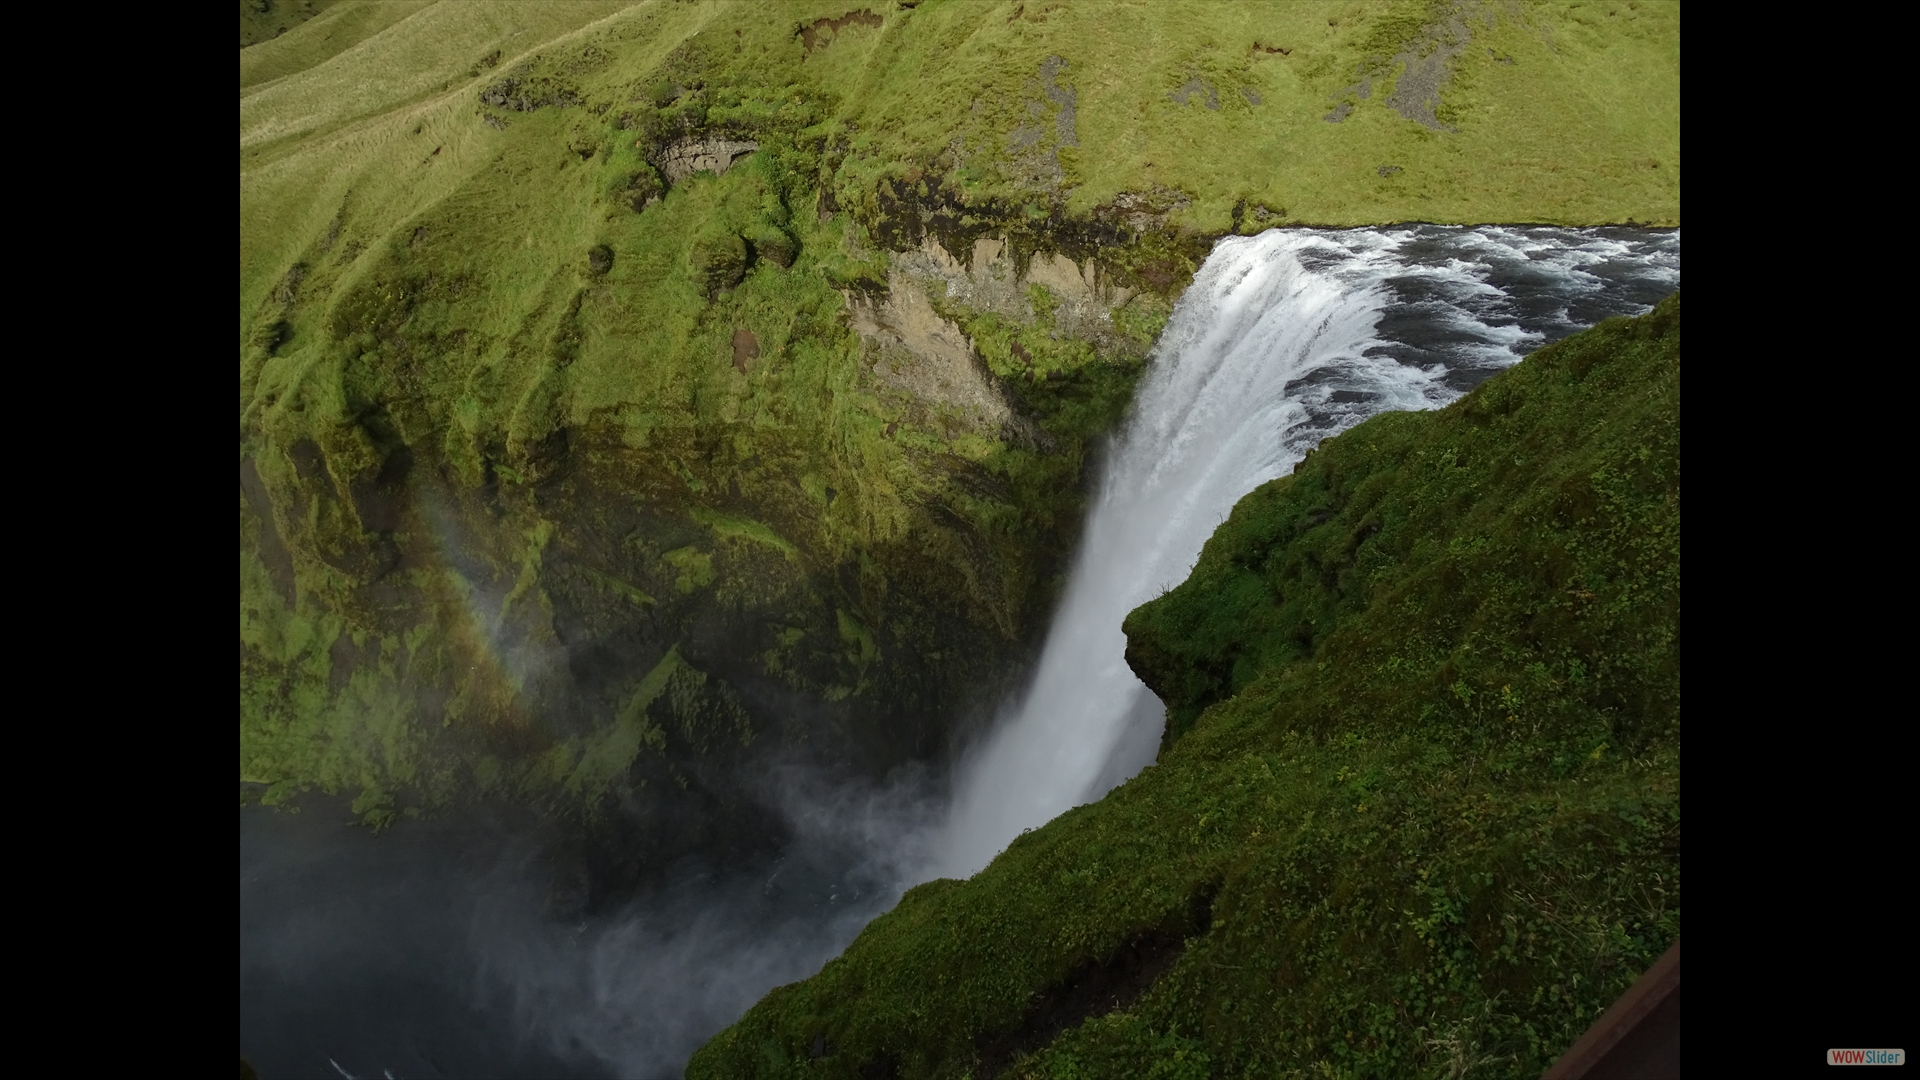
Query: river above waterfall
pixel 1282 340
pixel 432 949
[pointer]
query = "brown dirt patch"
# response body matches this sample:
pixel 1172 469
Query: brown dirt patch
pixel 820 33
pixel 745 347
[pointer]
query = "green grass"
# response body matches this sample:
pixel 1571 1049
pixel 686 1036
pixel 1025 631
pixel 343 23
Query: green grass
pixel 1419 810
pixel 478 441
pixel 1582 127
pixel 338 25
pixel 265 20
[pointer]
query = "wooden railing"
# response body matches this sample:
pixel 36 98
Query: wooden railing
pixel 1638 1038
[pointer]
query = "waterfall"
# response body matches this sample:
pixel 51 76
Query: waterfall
pixel 410 956
pixel 1282 340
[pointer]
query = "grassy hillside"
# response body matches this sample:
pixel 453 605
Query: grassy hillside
pixel 265 20
pixel 1564 113
pixel 338 26
pixel 1419 814
pixel 572 476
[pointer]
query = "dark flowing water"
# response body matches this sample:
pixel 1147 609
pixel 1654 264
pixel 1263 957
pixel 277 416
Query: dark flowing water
pixel 433 950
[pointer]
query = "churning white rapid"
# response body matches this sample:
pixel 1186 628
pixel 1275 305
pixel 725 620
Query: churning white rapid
pixel 1278 343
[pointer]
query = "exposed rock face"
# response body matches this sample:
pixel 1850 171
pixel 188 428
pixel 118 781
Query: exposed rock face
pixel 1086 298
pixel 1147 211
pixel 688 156
pixel 927 356
pixel 919 351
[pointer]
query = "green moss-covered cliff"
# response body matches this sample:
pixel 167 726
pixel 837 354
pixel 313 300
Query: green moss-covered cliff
pixel 1419 811
pixel 631 389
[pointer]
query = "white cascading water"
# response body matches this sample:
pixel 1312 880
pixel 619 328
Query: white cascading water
pixel 1277 344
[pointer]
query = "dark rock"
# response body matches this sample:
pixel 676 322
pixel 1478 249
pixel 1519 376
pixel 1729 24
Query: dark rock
pixel 718 260
pixel 773 245
pixel 644 189
pixel 517 91
pixel 820 33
